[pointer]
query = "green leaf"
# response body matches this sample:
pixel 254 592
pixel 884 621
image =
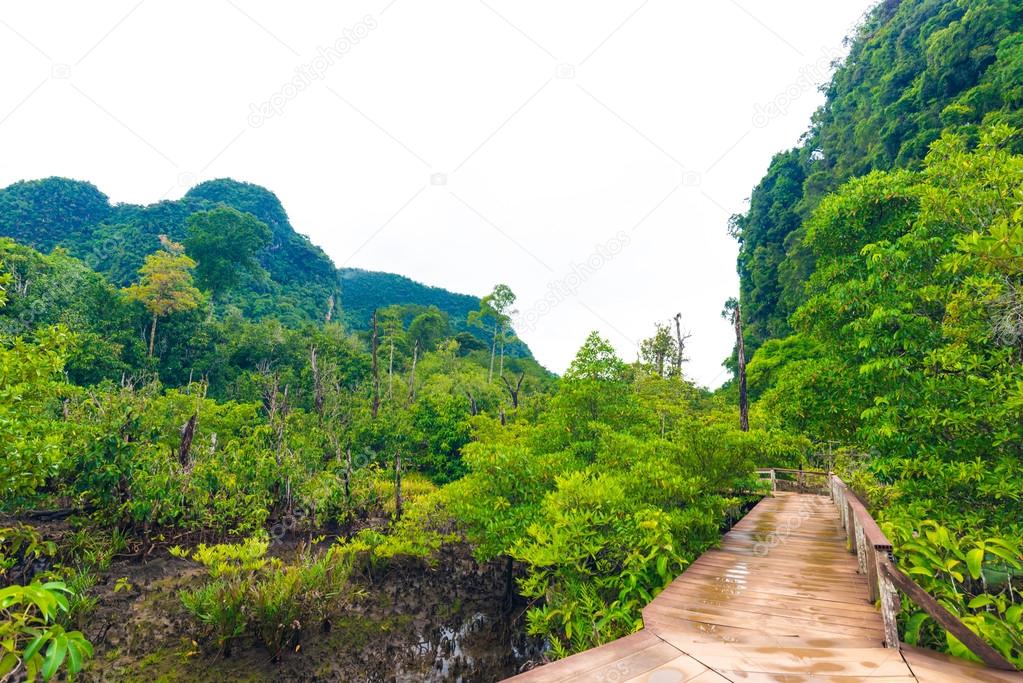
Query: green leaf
pixel 7 664
pixel 913 626
pixel 55 655
pixel 975 561
pixel 35 645
pixel 74 657
pixel 981 601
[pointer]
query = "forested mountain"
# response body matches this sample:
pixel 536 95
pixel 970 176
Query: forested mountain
pixel 915 69
pixel 295 283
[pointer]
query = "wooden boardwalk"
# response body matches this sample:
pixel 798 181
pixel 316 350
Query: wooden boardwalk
pixel 781 600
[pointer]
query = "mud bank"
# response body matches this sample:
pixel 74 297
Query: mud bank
pixel 448 622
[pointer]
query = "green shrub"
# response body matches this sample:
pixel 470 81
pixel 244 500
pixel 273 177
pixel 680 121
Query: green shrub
pixel 248 593
pixel 31 642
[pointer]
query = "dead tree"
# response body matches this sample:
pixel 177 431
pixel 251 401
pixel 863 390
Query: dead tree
pixel 412 374
pixel 390 371
pixel 376 370
pixel 317 382
pixel 188 429
pixel 185 447
pixel 740 348
pixel 680 340
pixel 514 391
pixel 474 408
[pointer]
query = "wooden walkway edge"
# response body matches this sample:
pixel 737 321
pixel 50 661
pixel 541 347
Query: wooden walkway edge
pixel 782 599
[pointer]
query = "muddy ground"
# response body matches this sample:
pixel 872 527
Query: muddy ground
pixel 415 622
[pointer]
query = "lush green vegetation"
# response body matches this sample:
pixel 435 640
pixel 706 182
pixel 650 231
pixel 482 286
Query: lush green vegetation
pixel 915 69
pixel 193 381
pixel 880 267
pixel 159 410
pixel 908 350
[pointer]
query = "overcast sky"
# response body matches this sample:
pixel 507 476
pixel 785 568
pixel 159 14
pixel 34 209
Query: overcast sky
pixel 587 154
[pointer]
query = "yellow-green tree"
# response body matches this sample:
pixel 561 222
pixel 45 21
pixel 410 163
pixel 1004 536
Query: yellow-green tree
pixel 166 285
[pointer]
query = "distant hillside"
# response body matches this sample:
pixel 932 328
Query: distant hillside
pixel 363 291
pixel 915 69
pixel 300 278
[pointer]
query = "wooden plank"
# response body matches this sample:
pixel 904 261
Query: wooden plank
pixel 791 626
pixel 746 677
pixel 629 666
pixel 591 659
pixel 788 604
pixel 679 670
pixel 769 568
pixel 933 667
pixel 692 637
pixel 782 611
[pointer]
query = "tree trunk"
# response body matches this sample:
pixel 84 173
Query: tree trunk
pixel 501 369
pixel 741 350
pixel 187 434
pixel 152 336
pixel 681 341
pixel 514 391
pixel 390 371
pixel 376 370
pixel 412 374
pixel 317 382
pixel 493 353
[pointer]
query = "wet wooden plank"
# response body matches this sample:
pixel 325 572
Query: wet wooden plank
pixel 591 659
pixel 934 667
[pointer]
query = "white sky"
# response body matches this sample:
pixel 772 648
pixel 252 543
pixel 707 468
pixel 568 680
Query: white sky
pixel 461 143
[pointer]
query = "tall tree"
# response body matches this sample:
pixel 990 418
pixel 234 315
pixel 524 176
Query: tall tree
pixel 733 310
pixel 659 351
pixel 494 314
pixel 165 285
pixel 224 243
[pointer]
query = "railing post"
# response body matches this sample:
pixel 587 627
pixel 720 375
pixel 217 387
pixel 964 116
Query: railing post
pixel 774 481
pixel 850 522
pixel 860 548
pixel 873 576
pixel 888 596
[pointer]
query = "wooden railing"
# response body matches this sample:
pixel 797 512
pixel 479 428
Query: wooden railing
pixel 876 561
pixel 797 481
pixel 884 578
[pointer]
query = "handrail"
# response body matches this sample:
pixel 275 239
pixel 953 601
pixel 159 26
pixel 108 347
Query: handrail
pixel 876 561
pixel 948 621
pixel 788 471
pixel 801 476
pixel 884 578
